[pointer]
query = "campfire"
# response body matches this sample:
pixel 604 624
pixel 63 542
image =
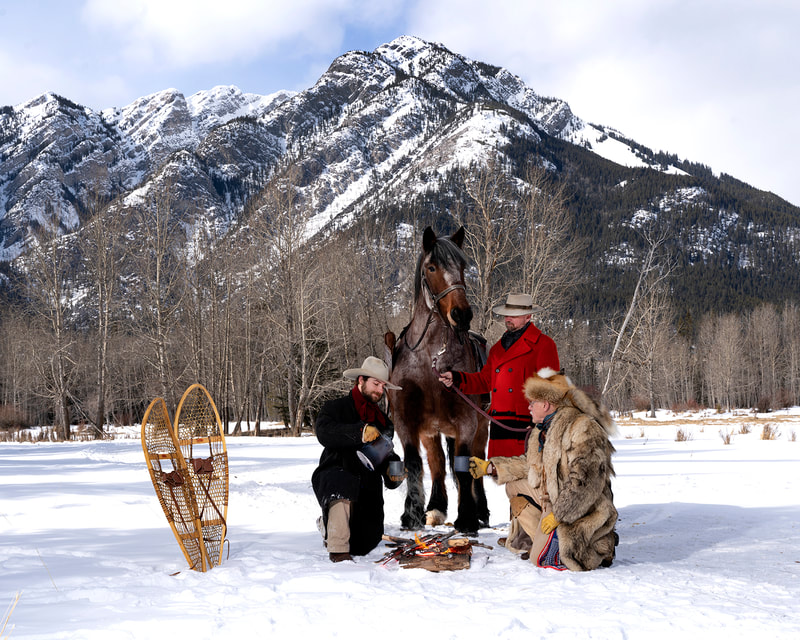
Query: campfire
pixel 434 552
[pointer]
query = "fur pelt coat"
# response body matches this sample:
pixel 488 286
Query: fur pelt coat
pixel 574 466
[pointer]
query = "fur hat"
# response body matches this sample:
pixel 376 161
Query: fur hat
pixel 517 304
pixel 372 367
pixel 548 386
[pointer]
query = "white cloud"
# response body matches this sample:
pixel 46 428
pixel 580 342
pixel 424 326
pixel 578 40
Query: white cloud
pixel 187 33
pixel 713 81
pixel 24 79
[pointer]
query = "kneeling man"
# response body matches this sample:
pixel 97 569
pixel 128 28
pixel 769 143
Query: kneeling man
pixel 349 492
pixel 562 484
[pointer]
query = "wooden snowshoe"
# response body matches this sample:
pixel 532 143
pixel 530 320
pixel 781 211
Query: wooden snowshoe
pixel 198 430
pixel 171 480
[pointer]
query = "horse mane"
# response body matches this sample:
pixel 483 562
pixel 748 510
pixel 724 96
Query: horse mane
pixel 445 253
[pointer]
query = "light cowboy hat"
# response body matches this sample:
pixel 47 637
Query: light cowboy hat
pixel 517 304
pixel 372 367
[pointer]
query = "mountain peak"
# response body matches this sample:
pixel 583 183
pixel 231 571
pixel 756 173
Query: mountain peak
pixel 389 128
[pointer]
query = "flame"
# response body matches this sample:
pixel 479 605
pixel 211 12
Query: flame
pixel 425 549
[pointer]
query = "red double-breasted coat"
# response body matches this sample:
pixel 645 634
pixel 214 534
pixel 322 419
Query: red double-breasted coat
pixel 503 375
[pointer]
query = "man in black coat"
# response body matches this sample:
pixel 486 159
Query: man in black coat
pixel 348 481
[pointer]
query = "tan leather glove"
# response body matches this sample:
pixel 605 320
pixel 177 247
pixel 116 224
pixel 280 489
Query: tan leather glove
pixel 477 467
pixel 369 433
pixel 549 523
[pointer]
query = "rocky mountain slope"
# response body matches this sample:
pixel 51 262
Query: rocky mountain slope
pixel 385 128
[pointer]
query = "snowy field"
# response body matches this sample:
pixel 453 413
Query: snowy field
pixel 709 547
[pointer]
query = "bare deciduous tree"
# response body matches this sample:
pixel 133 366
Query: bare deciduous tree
pixel 156 296
pixel 102 250
pixel 490 220
pixel 652 273
pixel 651 338
pixel 790 339
pixel 550 255
pixel 49 280
pixel 721 347
pixel 295 295
pixel 764 350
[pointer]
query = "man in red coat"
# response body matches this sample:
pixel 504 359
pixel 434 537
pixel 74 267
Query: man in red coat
pixel 521 351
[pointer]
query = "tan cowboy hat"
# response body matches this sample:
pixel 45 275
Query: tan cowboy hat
pixel 372 367
pixel 517 304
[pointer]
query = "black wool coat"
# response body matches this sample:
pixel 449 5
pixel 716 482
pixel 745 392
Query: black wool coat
pixel 342 476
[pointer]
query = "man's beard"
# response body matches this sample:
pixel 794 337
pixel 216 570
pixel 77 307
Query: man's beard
pixel 373 396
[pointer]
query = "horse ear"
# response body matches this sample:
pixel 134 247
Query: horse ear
pixel 458 237
pixel 428 239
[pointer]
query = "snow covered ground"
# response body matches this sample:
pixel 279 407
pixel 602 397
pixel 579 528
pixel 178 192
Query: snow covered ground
pixel 709 547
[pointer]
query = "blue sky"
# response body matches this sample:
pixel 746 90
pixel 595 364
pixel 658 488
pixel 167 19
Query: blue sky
pixel 714 81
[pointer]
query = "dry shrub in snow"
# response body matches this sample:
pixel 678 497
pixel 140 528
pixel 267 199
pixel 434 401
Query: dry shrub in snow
pixel 770 432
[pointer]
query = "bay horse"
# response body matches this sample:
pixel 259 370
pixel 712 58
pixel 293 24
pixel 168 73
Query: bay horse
pixel 437 337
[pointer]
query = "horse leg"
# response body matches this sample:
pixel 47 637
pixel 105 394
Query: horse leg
pixel 436 512
pixel 451 454
pixel 478 492
pixel 467 520
pixel 413 515
pixel 473 508
pixel 481 505
pixel 479 449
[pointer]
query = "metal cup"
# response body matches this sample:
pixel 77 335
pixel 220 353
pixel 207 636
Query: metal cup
pixel 373 453
pixel 397 468
pixel 461 463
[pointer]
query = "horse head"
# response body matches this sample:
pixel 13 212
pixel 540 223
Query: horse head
pixel 440 278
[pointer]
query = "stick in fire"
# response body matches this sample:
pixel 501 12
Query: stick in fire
pixel 430 545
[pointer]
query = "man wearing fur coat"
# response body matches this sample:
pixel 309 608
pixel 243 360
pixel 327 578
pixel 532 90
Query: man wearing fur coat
pixel 563 482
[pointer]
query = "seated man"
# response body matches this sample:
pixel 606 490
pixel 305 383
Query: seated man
pixel 563 482
pixel 350 492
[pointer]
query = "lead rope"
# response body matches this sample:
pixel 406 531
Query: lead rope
pixel 470 402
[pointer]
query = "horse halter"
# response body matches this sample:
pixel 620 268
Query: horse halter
pixel 438 296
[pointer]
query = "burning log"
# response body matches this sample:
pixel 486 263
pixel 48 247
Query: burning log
pixel 434 552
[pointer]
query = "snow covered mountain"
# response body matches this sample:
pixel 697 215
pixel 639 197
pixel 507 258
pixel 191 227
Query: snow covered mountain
pixel 57 155
pixel 381 126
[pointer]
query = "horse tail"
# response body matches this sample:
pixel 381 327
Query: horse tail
pixel 389 342
pixel 388 357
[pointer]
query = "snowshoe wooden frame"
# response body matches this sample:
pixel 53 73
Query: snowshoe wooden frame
pixel 171 481
pixel 198 430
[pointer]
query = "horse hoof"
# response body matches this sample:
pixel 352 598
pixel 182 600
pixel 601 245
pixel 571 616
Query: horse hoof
pixel 407 524
pixel 470 528
pixel 434 518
